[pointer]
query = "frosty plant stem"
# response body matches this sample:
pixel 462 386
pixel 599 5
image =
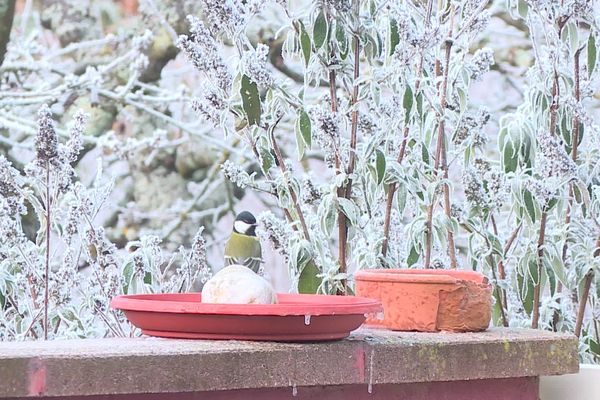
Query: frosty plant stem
pixel 347 192
pixel 47 262
pixel 587 282
pixel 402 152
pixel 501 271
pixel 440 160
pixel 574 148
pixel 535 314
pixel 354 121
pixel 342 233
pixel 583 297
pixel 293 195
pixel 575 144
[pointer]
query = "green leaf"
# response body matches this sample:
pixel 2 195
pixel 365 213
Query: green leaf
pixel 299 142
pixel 522 8
pixel 250 100
pixel 127 275
pixel 267 159
pixel 533 271
pixel 309 282
pixel 551 281
pixel 594 346
pixel 582 194
pixel 394 36
pixel 407 102
pixel 496 312
pixel 462 98
pixel 320 30
pixel 529 204
pixel 349 209
pixel 526 288
pixel 305 44
pixel 425 154
pixel 591 54
pixel 559 270
pixel 380 164
pixel 327 213
pixel 565 132
pixel 551 204
pixel 401 198
pixel 148 278
pixel 342 40
pixel 570 37
pixel 509 157
pixel 413 257
pixel 305 127
pixel 420 104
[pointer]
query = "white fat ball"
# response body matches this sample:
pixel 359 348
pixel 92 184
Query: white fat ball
pixel 237 284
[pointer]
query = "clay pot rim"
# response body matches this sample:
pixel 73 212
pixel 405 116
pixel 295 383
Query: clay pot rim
pixel 420 276
pixel 289 305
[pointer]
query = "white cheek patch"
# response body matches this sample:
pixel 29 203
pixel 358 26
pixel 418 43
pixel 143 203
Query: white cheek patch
pixel 241 226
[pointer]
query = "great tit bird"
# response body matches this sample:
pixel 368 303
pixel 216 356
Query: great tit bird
pixel 243 247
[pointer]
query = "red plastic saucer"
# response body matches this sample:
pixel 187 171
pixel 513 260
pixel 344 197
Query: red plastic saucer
pixel 296 318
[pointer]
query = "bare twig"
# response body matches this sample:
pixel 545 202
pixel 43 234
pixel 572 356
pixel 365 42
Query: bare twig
pixel 512 238
pixel 32 324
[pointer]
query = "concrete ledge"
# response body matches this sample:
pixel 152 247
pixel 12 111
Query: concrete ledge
pixel 368 357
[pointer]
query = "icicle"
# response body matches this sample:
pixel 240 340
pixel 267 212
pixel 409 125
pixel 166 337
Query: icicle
pixel 307 320
pixel 370 386
pixel 294 390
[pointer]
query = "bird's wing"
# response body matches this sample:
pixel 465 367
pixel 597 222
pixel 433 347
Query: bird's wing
pixel 251 262
pixel 247 251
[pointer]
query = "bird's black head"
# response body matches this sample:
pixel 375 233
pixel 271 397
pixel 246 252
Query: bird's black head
pixel 245 224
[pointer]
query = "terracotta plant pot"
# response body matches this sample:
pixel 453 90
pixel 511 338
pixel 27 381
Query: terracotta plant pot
pixel 428 300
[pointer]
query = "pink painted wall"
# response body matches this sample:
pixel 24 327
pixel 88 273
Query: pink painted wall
pixel 486 389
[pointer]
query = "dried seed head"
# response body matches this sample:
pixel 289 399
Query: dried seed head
pixel 481 62
pixel 553 160
pixel 236 174
pixel 255 65
pixel 276 231
pixel 201 49
pixel 46 143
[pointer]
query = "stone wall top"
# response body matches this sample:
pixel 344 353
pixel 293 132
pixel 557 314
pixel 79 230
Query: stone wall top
pixel 152 365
